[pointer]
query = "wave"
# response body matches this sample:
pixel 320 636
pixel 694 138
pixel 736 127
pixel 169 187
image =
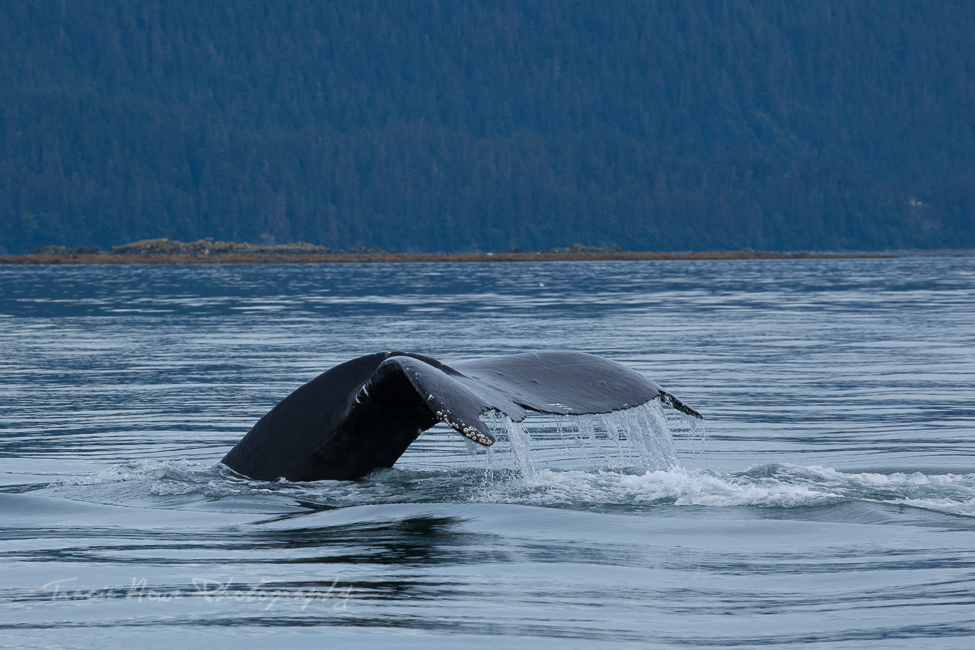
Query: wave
pixel 778 486
pixel 621 460
pixel 172 483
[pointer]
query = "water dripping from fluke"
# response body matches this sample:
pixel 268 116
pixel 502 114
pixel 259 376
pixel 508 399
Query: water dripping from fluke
pixel 635 439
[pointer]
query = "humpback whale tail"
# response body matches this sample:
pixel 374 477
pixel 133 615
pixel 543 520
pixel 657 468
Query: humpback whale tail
pixel 364 413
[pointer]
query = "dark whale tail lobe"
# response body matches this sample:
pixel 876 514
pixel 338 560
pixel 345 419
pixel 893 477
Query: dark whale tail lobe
pixel 364 413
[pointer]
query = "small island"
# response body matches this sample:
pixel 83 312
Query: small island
pixel 209 251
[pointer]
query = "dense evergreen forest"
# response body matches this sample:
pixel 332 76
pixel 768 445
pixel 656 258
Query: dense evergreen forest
pixel 488 124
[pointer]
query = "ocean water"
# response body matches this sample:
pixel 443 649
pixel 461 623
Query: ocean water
pixel 828 500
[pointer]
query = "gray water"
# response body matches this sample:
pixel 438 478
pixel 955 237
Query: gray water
pixel 828 502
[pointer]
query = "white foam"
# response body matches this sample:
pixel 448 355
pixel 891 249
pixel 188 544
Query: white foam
pixel 780 486
pixel 624 458
pixel 676 486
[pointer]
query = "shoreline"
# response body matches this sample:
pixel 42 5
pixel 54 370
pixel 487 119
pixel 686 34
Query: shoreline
pixel 406 258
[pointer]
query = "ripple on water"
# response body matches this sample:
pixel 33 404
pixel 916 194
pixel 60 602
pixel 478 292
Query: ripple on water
pixel 830 502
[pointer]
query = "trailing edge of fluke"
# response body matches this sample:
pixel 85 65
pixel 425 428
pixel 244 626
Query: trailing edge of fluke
pixel 364 413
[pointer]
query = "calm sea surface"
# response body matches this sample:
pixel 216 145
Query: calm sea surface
pixel 828 502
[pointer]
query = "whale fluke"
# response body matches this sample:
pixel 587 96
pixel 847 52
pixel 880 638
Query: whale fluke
pixel 364 413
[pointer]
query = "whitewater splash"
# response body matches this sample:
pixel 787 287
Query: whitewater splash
pixel 627 458
pixel 769 486
pixel 183 483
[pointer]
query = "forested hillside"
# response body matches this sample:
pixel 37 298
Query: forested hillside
pixel 454 126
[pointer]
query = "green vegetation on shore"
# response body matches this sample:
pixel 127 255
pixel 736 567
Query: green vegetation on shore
pixel 476 126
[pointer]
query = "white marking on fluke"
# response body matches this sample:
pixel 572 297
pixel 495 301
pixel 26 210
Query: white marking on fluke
pixel 466 431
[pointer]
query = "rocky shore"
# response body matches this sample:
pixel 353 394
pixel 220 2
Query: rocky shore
pixel 208 251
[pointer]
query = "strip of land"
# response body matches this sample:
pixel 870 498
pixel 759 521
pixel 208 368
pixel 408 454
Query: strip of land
pixel 208 251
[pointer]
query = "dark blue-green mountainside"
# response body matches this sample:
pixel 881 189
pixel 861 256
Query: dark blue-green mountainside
pixel 453 126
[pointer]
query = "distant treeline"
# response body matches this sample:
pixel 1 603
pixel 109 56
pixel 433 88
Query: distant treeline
pixel 489 125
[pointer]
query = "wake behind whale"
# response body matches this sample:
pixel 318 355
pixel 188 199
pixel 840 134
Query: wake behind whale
pixel 363 414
